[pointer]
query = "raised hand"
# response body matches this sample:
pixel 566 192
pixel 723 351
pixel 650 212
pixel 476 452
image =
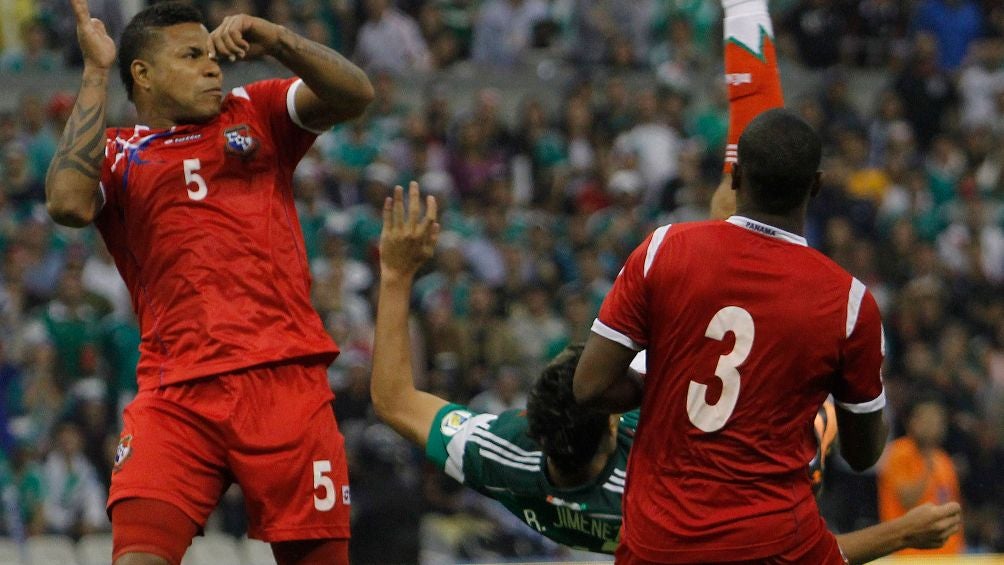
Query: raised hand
pixel 98 48
pixel 243 36
pixel 407 240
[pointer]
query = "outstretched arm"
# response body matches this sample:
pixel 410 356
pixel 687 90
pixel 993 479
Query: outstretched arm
pixel 336 89
pixel 407 241
pixel 924 527
pixel 72 195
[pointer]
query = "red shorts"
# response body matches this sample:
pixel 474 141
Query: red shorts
pixel 269 429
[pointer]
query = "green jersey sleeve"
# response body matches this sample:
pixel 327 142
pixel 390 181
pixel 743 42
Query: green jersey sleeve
pixel 449 434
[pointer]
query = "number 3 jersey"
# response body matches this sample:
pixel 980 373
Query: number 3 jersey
pixel 201 222
pixel 747 330
pixel 494 456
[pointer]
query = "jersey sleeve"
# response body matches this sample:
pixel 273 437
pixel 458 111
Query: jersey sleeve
pixel 275 102
pixel 480 450
pixel 451 432
pixel 859 386
pixel 114 158
pixel 623 315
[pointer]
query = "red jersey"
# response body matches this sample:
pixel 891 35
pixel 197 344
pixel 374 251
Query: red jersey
pixel 201 222
pixel 747 331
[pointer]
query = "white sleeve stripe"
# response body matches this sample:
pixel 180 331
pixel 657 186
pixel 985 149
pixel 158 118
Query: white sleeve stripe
pixel 606 331
pixel 457 445
pixel 508 456
pixel 104 195
pixel 515 449
pixel 874 405
pixel 640 363
pixel 612 488
pixel 653 247
pixel 854 297
pixel 489 455
pixel 291 107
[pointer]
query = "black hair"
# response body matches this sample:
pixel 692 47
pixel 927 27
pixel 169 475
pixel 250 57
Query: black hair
pixel 141 30
pixel 779 156
pixel 568 434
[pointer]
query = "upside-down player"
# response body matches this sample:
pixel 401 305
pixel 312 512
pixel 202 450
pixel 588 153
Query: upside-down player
pixel 197 209
pixel 557 467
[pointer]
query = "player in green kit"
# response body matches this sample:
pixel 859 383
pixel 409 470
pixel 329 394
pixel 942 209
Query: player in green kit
pixel 556 466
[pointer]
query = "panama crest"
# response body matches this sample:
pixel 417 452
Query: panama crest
pixel 240 142
pixel 122 452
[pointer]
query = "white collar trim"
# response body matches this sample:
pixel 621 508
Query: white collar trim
pixel 764 229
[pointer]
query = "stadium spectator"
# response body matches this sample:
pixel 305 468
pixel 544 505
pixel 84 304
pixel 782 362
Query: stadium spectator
pixel 815 25
pixel 390 40
pixel 916 470
pixel 600 27
pixel 74 500
pixel 954 23
pixel 928 93
pixel 34 54
pixel 503 30
pixel 23 490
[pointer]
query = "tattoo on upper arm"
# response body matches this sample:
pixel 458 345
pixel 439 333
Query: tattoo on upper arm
pixel 82 145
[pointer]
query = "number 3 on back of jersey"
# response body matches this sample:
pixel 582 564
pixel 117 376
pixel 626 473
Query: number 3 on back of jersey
pixel 191 176
pixel 708 417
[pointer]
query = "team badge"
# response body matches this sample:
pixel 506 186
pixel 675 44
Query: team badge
pixel 453 421
pixel 123 452
pixel 240 142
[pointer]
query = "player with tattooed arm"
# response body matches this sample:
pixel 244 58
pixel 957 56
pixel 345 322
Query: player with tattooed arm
pixel 195 205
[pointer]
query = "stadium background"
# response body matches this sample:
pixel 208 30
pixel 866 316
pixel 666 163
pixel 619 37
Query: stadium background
pixel 555 151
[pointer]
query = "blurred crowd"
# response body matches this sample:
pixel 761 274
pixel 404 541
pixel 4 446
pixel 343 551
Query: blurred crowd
pixel 541 209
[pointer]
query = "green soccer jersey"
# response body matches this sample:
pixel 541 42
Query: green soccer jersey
pixel 495 456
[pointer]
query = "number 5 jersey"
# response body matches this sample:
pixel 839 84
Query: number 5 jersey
pixel 201 221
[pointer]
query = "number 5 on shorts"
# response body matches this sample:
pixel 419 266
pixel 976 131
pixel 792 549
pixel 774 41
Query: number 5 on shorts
pixel 323 481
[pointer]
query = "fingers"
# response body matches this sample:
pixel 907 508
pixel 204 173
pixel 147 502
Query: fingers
pixel 414 204
pixel 949 509
pixel 228 39
pixel 431 208
pixel 99 26
pixel 398 214
pixel 81 11
pixel 388 213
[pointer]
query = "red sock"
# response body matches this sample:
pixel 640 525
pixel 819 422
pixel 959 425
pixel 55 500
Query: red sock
pixel 750 68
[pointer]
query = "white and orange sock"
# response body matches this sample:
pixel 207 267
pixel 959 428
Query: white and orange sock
pixel 751 73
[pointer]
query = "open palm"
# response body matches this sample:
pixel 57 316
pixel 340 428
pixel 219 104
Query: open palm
pixel 95 43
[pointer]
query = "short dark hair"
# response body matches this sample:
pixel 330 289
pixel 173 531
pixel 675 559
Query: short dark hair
pixel 137 35
pixel 779 156
pixel 569 435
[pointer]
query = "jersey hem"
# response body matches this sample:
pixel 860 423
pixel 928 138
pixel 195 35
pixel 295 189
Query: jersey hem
pixel 748 552
pixel 155 381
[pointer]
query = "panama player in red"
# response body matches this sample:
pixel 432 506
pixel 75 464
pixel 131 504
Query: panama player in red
pixel 196 207
pixel 747 331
